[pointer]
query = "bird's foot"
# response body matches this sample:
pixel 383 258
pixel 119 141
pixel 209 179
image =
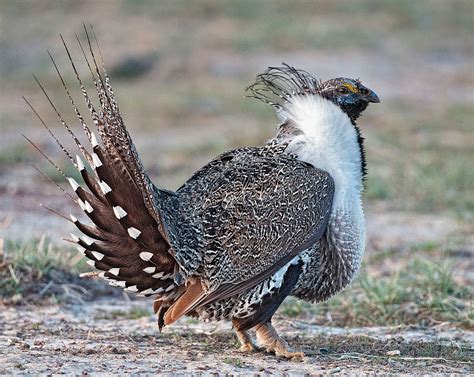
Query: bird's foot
pixel 283 350
pixel 247 345
pixel 272 342
pixel 248 348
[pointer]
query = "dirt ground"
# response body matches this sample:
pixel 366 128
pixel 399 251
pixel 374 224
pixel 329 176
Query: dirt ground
pixel 82 338
pixel 87 334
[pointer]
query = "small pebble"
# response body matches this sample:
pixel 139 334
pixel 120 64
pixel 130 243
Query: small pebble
pixel 393 353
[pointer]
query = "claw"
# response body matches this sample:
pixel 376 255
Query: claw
pixel 272 342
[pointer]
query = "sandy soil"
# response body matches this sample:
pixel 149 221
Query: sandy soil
pixel 81 338
pixel 99 336
pixel 92 334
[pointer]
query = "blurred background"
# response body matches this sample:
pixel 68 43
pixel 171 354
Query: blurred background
pixel 180 69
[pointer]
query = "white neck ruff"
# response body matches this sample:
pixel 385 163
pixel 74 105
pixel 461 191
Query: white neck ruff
pixel 328 142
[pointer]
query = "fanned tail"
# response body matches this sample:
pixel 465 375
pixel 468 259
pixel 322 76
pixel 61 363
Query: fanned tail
pixel 127 240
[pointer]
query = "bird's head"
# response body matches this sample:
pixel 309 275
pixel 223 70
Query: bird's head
pixel 279 85
pixel 283 87
pixel 349 94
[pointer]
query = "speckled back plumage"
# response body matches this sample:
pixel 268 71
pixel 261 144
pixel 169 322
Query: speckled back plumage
pixel 252 210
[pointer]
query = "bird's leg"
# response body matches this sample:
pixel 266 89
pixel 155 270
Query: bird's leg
pixel 272 342
pixel 245 340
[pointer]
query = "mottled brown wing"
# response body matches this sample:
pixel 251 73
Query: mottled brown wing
pixel 254 211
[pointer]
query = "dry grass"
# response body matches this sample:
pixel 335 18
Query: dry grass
pixel 431 174
pixel 14 154
pixel 39 270
pixel 421 290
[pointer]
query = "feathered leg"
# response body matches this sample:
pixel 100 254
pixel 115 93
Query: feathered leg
pixel 246 342
pixel 272 342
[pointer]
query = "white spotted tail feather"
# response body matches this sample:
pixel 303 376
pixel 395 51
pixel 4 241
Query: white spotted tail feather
pixel 127 240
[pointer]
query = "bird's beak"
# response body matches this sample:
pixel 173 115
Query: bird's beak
pixel 372 97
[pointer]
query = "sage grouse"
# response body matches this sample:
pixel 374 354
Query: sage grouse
pixel 253 226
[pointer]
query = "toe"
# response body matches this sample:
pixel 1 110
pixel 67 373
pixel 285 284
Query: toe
pixel 293 356
pixel 297 356
pixel 248 348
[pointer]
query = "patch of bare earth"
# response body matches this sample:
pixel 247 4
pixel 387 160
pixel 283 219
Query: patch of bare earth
pixel 83 339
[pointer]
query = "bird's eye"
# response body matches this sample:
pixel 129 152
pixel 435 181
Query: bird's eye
pixel 363 91
pixel 343 90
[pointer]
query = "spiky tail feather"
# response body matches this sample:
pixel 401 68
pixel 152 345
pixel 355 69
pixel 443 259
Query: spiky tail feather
pixel 126 240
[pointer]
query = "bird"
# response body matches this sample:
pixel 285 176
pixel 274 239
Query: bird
pixel 255 225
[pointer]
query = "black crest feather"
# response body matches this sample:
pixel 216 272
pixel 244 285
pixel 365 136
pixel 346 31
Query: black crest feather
pixel 277 85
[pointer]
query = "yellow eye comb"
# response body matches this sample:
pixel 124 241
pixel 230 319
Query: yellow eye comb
pixel 351 87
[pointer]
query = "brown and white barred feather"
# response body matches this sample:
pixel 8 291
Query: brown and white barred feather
pixel 126 239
